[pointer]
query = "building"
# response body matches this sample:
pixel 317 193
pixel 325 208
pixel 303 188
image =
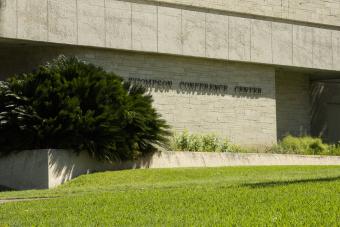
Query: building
pixel 250 70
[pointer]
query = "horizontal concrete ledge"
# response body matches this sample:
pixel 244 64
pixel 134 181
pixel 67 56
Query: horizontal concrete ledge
pixel 39 169
pixel 204 159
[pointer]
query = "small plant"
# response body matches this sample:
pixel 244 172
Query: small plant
pixel 202 143
pixel 305 145
pixel 289 145
pixel 195 142
pixel 210 143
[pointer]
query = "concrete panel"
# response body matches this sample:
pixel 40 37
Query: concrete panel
pixel 261 41
pixel 201 159
pixel 8 18
pixel 322 48
pixel 193 33
pixel 217 36
pixel 239 39
pixel 302 46
pixel 144 27
pixel 293 108
pixel 324 96
pixel 25 170
pixel 118 24
pixel 170 30
pixel 32 20
pixel 336 50
pixel 62 21
pixel 64 165
pixel 91 23
pixel 315 11
pixel 282 43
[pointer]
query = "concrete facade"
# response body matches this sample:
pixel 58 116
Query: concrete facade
pixel 175 28
pixel 282 47
pixel 245 119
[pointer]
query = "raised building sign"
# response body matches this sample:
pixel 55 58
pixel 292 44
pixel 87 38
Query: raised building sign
pixel 194 86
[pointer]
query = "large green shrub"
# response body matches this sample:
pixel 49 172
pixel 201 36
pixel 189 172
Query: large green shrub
pixel 69 104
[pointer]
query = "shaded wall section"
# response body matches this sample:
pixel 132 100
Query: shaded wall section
pixel 292 104
pixel 326 110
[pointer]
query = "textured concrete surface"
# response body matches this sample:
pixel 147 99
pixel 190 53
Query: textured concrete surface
pixel 325 120
pixel 25 170
pixel 59 166
pixel 201 159
pixel 149 26
pixel 244 119
pixel 293 104
pixel 314 11
pixel 40 169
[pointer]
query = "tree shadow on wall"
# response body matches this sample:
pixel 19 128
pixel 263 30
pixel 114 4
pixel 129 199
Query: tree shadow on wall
pixel 66 165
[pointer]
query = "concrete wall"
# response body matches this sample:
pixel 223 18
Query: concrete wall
pixel 293 106
pixel 313 11
pixel 65 165
pixel 49 168
pixel 41 169
pixel 245 119
pixel 158 28
pixel 25 170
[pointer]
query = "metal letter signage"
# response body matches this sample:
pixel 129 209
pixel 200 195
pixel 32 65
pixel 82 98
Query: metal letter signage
pixel 195 87
pixel 248 90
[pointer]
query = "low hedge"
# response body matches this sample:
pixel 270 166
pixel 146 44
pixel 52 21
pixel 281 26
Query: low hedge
pixel 289 145
pixel 305 145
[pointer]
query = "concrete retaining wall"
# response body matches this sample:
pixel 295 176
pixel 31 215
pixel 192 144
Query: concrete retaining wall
pixel 41 169
pixel 201 159
pixel 49 168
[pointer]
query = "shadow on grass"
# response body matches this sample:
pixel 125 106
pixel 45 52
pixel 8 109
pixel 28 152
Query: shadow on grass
pixel 290 182
pixel 5 189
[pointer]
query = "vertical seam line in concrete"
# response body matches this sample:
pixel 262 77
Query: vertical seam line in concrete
pixel 332 52
pixel 17 18
pixel 48 21
pixel 131 25
pixel 292 44
pixel 157 25
pixel 77 22
pixel 313 47
pixel 228 55
pixel 105 29
pixel 182 35
pixel 250 42
pixel 271 40
pixel 205 34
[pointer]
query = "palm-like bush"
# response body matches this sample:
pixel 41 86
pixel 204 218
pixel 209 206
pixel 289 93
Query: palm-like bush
pixel 70 104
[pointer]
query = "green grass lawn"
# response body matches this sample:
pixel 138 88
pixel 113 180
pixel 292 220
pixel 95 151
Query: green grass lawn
pixel 244 196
